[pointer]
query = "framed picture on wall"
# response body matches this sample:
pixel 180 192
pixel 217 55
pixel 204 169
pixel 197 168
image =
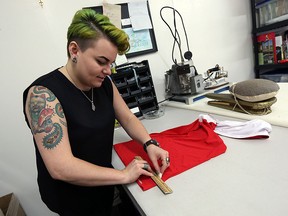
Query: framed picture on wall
pixel 143 41
pixel 140 41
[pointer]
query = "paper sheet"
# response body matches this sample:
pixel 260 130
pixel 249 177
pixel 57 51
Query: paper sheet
pixel 139 15
pixel 113 12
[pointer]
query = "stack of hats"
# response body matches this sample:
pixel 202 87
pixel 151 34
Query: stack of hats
pixel 255 96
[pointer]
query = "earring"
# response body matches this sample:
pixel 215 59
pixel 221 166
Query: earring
pixel 74 59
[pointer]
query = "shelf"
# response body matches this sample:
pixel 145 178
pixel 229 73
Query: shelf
pixel 277 26
pixel 272 66
pixel 271 27
pixel 134 83
pixel 276 69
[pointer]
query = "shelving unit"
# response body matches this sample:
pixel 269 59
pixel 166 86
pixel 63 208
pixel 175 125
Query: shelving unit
pixel 135 84
pixel 277 24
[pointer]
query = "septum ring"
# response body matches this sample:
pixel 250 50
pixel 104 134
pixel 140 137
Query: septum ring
pixel 146 166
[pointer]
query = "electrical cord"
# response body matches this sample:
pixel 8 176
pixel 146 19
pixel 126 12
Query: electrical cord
pixel 176 36
pixel 177 33
pixel 166 99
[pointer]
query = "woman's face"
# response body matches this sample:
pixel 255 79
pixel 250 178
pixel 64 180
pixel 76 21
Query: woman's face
pixel 93 65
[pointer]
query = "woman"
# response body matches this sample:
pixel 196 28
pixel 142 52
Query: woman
pixel 71 112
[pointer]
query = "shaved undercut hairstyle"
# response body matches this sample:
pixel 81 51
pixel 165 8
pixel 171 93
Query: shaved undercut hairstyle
pixel 88 25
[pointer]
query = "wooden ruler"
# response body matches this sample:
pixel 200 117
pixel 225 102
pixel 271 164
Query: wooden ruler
pixel 159 182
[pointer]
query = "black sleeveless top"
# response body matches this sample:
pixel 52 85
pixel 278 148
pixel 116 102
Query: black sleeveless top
pixel 91 138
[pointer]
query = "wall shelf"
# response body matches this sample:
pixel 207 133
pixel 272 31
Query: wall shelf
pixel 267 58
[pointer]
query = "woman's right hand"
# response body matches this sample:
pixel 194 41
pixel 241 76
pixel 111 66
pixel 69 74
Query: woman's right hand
pixel 135 169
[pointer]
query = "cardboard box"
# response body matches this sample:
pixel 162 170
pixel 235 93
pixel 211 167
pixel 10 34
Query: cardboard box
pixel 10 206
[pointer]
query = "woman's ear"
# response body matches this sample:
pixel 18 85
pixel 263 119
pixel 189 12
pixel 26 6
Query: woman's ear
pixel 73 49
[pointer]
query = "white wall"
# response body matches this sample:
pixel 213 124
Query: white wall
pixel 33 40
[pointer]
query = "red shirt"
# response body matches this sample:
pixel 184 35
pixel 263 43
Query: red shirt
pixel 188 146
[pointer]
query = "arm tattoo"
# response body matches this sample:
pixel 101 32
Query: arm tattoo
pixel 41 116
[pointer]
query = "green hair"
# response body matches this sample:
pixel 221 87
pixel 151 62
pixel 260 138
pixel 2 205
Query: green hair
pixel 88 26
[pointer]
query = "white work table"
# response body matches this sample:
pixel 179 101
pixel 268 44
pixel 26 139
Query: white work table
pixel 249 179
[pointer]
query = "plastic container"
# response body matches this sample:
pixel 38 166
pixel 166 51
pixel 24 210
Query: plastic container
pixel 271 11
pixel 153 114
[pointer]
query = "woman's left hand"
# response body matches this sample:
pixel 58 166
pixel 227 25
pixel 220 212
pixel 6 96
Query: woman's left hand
pixel 155 154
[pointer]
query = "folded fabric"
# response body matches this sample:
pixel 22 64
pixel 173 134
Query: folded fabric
pixel 252 129
pixel 188 146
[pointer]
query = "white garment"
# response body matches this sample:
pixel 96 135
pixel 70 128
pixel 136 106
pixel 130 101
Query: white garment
pixel 255 128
